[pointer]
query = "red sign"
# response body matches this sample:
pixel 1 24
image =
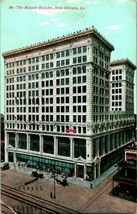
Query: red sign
pixel 71 130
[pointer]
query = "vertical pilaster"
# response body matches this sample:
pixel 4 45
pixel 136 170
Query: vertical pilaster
pixel 98 169
pixel 55 146
pixel 75 170
pixel 97 147
pixel 89 149
pixel 71 148
pixel 41 143
pixel 28 142
pixel 6 144
pixel 94 171
pixel 71 96
pixel 108 143
pixel 16 141
pixel 103 145
pixel 85 171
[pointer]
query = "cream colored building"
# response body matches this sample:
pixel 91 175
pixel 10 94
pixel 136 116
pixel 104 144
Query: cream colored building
pixel 57 106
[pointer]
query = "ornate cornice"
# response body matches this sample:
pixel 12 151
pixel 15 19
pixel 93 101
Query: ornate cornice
pixel 54 42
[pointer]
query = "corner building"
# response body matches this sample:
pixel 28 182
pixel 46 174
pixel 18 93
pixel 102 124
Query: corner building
pixel 57 106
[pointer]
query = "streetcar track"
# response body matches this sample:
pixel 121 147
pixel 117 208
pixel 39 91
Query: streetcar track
pixel 35 201
pixel 96 196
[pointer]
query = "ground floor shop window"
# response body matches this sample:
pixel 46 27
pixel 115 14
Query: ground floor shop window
pixel 80 148
pixel 12 139
pixel 64 146
pixel 47 164
pixel 48 144
pixel 22 144
pixel 34 143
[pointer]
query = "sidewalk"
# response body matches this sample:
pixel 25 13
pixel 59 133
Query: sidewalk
pixel 71 180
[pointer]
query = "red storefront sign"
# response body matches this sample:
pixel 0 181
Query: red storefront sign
pixel 71 130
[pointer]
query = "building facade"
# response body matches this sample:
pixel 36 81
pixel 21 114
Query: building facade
pixel 57 106
pixel 122 86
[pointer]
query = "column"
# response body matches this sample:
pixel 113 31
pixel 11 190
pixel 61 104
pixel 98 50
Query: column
pixel 16 141
pixel 41 143
pixel 102 145
pixel 108 143
pixel 6 144
pixel 89 149
pixel 75 170
pixel 94 171
pixel 28 142
pixel 71 148
pixel 55 146
pixel 71 96
pixel 85 171
pixel 113 141
pixel 97 147
pixel 14 158
pixel 98 169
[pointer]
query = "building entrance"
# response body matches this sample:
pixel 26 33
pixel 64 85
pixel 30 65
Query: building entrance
pixel 80 171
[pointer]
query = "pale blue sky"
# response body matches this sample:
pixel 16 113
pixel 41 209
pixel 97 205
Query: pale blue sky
pixel 114 19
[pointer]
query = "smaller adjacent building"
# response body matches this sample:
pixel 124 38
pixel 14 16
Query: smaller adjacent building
pixel 2 142
pixel 126 176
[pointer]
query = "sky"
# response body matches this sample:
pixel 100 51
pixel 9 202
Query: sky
pixel 27 22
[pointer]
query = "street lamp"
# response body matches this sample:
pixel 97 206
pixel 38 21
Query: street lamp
pixel 54 193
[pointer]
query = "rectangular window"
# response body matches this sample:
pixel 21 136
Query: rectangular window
pixel 79 59
pixel 51 56
pixel 58 55
pixel 74 60
pixel 84 58
pixel 67 52
pixel 84 49
pixel 47 65
pixel 62 53
pixel 74 50
pixel 58 63
pixel 43 58
pixel 67 61
pixel 47 57
pixel 79 50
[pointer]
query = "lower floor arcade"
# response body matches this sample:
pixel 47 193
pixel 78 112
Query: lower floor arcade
pixel 83 157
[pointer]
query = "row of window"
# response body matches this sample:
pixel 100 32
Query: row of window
pixel 116 72
pixel 116 84
pixel 47 57
pixel 117 77
pixel 59 128
pixel 100 54
pixel 116 91
pixel 117 103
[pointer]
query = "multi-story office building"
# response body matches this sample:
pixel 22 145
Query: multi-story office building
pixel 57 106
pixel 122 86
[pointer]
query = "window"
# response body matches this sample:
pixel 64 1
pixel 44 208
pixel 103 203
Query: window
pixel 84 49
pixel 79 50
pixel 51 56
pixel 67 52
pixel 74 71
pixel 67 61
pixel 74 60
pixel 58 55
pixel 58 63
pixel 47 57
pixel 79 59
pixel 74 50
pixel 43 58
pixel 84 58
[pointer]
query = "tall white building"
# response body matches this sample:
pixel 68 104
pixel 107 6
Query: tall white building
pixel 122 86
pixel 57 106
